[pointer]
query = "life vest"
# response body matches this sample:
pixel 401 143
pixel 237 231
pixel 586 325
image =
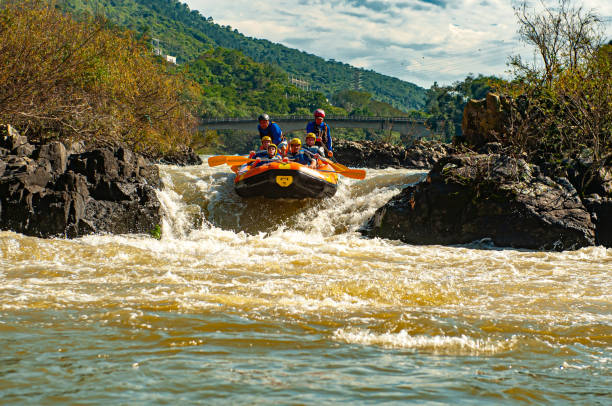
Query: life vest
pixel 301 157
pixel 315 149
pixel 269 133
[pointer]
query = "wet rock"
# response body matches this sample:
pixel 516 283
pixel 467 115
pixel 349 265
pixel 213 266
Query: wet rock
pixel 471 197
pixel 183 157
pixel 371 154
pixel 59 192
pixel 601 214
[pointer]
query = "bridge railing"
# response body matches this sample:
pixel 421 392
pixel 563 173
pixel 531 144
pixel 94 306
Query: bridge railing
pixel 309 118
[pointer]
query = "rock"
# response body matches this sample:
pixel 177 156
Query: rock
pixel 76 148
pixel 471 197
pixel 601 213
pixel 485 120
pixel 24 150
pixel 55 193
pixel 10 138
pixel 55 153
pixel 183 157
pixel 370 154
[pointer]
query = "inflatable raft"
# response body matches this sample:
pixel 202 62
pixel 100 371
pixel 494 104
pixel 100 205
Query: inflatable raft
pixel 285 180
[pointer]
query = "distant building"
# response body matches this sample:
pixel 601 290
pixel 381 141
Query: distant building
pixel 157 50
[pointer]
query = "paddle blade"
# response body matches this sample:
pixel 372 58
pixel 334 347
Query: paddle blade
pixel 338 167
pixel 217 160
pixel 237 160
pixel 354 173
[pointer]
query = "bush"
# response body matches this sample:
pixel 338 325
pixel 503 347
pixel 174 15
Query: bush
pixel 69 80
pixel 562 107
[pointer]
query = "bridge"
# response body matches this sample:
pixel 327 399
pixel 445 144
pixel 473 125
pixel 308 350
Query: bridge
pixel 414 128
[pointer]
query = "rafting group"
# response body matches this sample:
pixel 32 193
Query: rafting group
pixel 289 169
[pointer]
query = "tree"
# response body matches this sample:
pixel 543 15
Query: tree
pixel 562 35
pixel 562 109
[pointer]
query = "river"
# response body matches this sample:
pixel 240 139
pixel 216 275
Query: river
pixel 284 302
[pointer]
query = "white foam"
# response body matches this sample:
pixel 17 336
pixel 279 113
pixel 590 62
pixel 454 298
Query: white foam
pixel 455 345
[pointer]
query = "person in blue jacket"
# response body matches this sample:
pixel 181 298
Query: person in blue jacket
pixel 321 130
pixel 311 147
pixel 271 129
pixel 297 154
pixel 271 155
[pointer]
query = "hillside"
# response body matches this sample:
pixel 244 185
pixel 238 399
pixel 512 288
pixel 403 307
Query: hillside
pixel 187 34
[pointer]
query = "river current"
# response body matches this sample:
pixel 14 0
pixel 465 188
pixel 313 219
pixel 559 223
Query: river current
pixel 284 302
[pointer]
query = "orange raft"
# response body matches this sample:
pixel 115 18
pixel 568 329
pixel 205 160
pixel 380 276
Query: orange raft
pixel 285 180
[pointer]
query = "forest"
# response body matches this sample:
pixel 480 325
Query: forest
pixel 187 34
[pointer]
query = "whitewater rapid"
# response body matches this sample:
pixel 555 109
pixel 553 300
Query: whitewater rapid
pixel 243 300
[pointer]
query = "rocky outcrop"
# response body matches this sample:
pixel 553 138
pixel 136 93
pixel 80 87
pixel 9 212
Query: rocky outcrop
pixel 601 214
pixel 181 157
pixel 370 154
pixel 471 197
pixel 485 120
pixel 47 190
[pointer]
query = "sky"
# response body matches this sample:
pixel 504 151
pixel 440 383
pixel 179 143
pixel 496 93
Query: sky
pixel 420 41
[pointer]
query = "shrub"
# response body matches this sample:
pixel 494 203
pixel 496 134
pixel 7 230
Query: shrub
pixel 85 80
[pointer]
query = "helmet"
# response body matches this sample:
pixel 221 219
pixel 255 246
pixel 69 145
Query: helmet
pixel 319 113
pixel 266 138
pixel 272 146
pixel 296 141
pixel 263 117
pixel 311 135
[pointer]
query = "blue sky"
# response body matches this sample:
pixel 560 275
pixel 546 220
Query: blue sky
pixel 420 41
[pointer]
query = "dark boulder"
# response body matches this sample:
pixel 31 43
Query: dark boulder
pixel 486 120
pixel 182 157
pixel 371 154
pixel 471 197
pixel 53 191
pixel 601 215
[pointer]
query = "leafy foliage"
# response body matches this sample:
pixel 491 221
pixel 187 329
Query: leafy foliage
pixel 562 107
pixel 85 80
pixel 187 34
pixel 234 85
pixel 445 104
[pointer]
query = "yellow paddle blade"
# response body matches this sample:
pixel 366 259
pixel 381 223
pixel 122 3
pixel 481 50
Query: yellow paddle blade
pixel 337 166
pixel 237 160
pixel 216 160
pixel 353 173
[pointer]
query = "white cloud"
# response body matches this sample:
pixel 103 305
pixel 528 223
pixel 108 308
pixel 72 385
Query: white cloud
pixel 420 41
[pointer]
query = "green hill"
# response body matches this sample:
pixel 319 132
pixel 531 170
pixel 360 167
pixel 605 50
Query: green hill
pixel 187 34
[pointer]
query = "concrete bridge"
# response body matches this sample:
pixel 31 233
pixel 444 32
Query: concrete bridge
pixel 414 128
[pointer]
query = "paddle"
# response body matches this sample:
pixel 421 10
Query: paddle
pixel 341 169
pixel 239 160
pixel 217 160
